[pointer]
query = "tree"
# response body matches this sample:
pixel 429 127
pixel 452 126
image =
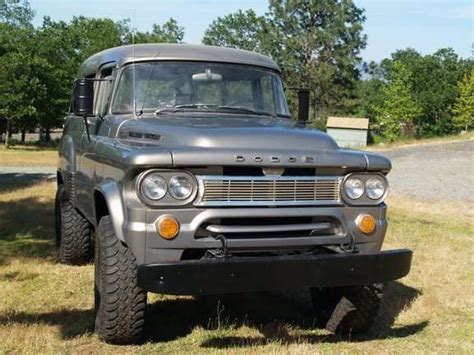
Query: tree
pixel 463 109
pixel 169 32
pixel 243 30
pixel 16 13
pixel 316 43
pixel 370 92
pixel 19 86
pixel 399 109
pixel 434 86
pixel 40 64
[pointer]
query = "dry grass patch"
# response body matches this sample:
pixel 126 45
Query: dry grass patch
pixel 27 157
pixel 47 308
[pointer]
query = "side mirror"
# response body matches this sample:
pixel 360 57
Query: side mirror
pixel 83 97
pixel 303 105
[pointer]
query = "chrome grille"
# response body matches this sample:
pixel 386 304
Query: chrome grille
pixel 251 191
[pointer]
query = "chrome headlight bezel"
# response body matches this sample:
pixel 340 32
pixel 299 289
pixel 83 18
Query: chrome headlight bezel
pixel 365 199
pixel 168 199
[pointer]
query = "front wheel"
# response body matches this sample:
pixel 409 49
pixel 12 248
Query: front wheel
pixel 119 302
pixel 346 310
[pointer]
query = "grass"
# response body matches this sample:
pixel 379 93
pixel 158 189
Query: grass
pixel 47 308
pixel 28 156
pixel 402 142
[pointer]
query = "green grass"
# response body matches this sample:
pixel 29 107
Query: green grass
pixel 28 156
pixel 47 308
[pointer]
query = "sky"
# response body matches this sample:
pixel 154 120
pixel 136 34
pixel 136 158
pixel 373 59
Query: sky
pixel 425 25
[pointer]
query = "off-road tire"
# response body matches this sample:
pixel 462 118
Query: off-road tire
pixel 357 310
pixel 74 233
pixel 119 303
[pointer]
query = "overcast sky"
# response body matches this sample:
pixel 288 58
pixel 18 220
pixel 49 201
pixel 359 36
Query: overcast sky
pixel 425 25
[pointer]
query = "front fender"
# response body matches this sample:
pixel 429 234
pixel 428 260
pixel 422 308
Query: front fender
pixel 67 154
pixel 113 198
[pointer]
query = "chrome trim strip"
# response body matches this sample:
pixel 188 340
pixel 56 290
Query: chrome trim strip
pixel 270 228
pixel 202 179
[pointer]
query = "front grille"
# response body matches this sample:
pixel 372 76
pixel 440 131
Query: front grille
pixel 274 191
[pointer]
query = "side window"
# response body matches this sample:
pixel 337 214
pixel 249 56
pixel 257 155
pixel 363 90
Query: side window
pixel 103 90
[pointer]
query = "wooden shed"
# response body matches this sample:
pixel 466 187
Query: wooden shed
pixel 348 131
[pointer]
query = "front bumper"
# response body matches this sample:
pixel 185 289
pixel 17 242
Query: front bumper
pixel 248 274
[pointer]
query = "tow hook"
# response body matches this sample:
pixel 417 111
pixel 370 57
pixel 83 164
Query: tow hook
pixel 219 252
pixel 351 247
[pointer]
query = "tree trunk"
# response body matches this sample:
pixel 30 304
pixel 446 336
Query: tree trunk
pixel 7 133
pixel 23 134
pixel 47 135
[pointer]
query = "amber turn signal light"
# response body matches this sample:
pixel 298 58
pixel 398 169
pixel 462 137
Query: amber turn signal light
pixel 167 227
pixel 366 223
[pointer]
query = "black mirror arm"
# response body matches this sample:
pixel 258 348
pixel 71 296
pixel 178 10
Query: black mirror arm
pixel 86 123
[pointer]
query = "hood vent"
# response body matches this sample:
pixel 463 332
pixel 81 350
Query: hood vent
pixel 140 135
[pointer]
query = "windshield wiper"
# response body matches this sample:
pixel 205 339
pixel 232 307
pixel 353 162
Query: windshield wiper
pixel 178 108
pixel 212 107
pixel 247 110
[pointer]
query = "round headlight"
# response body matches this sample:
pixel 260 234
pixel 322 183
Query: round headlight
pixel 153 187
pixel 375 188
pixel 354 188
pixel 181 187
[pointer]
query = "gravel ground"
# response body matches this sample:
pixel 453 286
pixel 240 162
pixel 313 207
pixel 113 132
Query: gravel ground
pixel 426 172
pixel 437 172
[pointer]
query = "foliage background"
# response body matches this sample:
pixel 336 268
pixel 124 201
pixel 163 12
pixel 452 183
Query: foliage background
pixel 316 43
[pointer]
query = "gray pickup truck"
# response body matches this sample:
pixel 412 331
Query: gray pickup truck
pixel 181 171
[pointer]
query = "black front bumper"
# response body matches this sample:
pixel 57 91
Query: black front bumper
pixel 246 274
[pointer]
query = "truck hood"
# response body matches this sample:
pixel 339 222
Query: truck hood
pixel 226 132
pixel 239 140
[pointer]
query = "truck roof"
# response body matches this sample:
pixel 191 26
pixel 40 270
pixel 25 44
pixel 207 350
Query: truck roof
pixel 173 52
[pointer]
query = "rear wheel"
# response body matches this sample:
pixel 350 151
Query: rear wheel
pixel 346 310
pixel 73 232
pixel 119 302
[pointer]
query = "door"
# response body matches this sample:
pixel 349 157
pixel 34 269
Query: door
pixel 87 162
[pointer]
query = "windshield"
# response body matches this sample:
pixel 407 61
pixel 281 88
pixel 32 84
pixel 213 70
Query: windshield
pixel 192 86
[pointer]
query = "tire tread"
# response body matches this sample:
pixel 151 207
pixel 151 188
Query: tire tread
pixel 121 311
pixel 75 234
pixel 365 299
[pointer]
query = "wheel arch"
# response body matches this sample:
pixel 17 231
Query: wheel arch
pixel 108 201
